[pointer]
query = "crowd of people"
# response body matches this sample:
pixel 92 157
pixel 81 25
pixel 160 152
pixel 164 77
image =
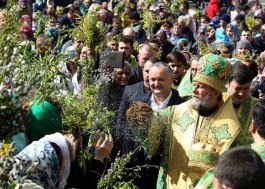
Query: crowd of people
pixel 198 66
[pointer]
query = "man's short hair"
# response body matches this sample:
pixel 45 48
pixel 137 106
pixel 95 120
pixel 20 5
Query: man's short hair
pixel 135 15
pixel 165 65
pixel 176 24
pixel 246 30
pixel 241 74
pixel 240 168
pixel 258 117
pixel 126 39
pixel 206 18
pixel 176 57
pixel 240 17
pixel 186 5
pixel 126 63
pixel 154 41
pixel 74 9
pixel 116 18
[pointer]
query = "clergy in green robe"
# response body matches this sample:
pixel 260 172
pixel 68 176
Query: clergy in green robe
pixel 186 85
pixel 238 88
pixel 199 130
pixel 258 133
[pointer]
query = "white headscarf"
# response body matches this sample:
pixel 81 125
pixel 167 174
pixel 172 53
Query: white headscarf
pixel 59 140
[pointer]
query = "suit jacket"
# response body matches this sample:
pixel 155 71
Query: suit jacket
pixel 130 143
pixel 259 44
pixel 137 75
pixel 129 93
pixel 132 94
pixel 174 100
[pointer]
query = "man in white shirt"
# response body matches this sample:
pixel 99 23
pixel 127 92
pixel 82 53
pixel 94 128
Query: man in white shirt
pixel 161 80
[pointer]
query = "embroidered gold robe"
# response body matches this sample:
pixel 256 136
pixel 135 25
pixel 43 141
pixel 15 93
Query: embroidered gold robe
pixel 185 127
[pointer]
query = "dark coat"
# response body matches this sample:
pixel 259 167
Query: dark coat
pixel 132 94
pixel 187 34
pixel 77 179
pixel 136 75
pixel 259 44
pixel 129 93
pixel 130 142
pixel 167 47
pixel 66 21
pixel 174 100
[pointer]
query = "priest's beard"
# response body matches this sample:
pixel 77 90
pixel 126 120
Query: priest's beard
pixel 204 106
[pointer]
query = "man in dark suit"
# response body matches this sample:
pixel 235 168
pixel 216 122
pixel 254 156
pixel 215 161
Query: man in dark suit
pixel 160 79
pixel 158 95
pixel 259 41
pixel 145 52
pixel 132 91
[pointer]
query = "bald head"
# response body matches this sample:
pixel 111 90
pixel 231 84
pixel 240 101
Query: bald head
pixel 145 52
pixel 129 32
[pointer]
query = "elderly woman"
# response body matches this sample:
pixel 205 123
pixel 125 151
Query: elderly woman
pixel 47 161
pixel 85 7
pixel 243 47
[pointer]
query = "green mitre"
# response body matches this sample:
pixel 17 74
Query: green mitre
pixel 214 71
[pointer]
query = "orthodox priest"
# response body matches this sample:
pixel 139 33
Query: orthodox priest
pixel 196 132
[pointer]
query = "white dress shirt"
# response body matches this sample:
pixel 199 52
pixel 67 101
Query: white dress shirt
pixel 155 106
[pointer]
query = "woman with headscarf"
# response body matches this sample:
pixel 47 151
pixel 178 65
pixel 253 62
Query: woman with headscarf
pixel 243 47
pixel 47 162
pixel 84 8
pixel 165 45
pixel 232 34
pixel 181 45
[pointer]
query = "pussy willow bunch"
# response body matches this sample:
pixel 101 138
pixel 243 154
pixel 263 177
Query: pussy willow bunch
pixel 250 22
pixel 118 9
pixel 126 22
pixel 10 114
pixel 158 133
pixel 245 57
pixel 88 31
pixel 42 21
pixel 174 8
pixel 7 164
pixel 21 64
pixel 113 177
pixel 148 125
pixel 81 113
pixel 150 2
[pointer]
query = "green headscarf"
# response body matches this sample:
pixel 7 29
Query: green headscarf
pixel 42 119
